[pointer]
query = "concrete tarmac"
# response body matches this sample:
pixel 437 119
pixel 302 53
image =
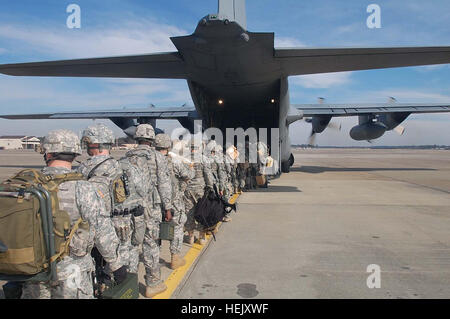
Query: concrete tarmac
pixel 314 232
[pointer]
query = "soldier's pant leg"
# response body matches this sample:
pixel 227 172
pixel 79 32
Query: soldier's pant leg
pixel 179 220
pixel 133 265
pixel 36 291
pixel 82 288
pixel 151 247
pixel 190 221
pixel 123 227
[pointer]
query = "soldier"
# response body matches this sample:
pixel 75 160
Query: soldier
pixel 180 174
pixel 196 189
pixel 105 172
pixel 217 166
pixel 159 198
pixel 241 172
pixel 79 199
pixel 231 166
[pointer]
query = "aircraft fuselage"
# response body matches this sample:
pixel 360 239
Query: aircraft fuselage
pixel 233 78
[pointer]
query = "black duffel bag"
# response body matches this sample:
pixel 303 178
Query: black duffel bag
pixel 211 209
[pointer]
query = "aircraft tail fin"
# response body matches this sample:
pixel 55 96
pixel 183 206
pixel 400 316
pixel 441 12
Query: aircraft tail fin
pixel 234 10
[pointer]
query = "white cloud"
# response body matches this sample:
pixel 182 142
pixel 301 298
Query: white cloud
pixel 322 81
pixel 138 37
pixel 17 95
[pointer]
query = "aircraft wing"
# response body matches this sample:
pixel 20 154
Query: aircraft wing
pixel 151 113
pixel 311 61
pixel 352 109
pixel 161 65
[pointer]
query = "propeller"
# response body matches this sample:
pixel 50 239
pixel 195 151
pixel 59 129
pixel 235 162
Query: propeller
pixel 313 134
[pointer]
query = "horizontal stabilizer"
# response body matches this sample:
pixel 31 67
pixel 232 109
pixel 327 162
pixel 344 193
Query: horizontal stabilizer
pixel 160 65
pixel 312 61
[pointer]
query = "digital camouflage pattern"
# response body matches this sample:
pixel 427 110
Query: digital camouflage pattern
pixel 196 187
pixel 163 141
pixel 230 169
pixel 181 174
pixel 98 134
pixel 159 197
pixel 61 141
pixel 103 176
pixel 80 199
pixel 144 131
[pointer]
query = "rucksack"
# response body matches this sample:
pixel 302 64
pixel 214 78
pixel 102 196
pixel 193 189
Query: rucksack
pixel 211 209
pixel 118 187
pixel 35 232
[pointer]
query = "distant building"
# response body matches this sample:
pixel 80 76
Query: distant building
pixel 19 142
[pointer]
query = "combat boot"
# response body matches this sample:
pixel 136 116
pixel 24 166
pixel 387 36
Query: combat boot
pixel 202 238
pixel 150 292
pixel 190 238
pixel 226 219
pixel 177 261
pixel 216 229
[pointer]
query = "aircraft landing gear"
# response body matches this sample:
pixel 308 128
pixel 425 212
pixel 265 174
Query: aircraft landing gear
pixel 285 167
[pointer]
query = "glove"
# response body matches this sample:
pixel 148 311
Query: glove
pixel 169 216
pixel 120 274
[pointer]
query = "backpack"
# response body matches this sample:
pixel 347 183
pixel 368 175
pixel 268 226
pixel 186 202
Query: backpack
pixel 134 168
pixel 118 187
pixel 211 209
pixel 34 231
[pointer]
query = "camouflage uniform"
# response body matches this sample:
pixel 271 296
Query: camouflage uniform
pixel 181 173
pixel 78 199
pixel 230 167
pixel 103 170
pixel 102 177
pixel 160 194
pixel 217 165
pixel 196 187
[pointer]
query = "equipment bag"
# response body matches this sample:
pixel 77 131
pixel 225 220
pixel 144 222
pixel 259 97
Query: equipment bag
pixel 166 231
pixel 34 230
pixel 211 209
pixel 119 184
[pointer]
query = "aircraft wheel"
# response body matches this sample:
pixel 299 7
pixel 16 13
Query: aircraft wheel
pixel 285 167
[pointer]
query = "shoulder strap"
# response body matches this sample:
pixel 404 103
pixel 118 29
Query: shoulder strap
pixel 91 173
pixel 64 248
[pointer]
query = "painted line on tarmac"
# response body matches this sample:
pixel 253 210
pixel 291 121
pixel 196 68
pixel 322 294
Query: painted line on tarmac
pixel 177 275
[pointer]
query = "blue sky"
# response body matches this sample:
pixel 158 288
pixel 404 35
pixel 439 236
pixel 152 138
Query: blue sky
pixel 36 30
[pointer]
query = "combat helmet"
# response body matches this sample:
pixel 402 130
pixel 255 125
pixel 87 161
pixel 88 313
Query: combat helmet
pixel 144 131
pixel 97 134
pixel 163 141
pixel 61 141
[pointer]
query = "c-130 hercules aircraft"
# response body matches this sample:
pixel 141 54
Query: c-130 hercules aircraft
pixel 238 79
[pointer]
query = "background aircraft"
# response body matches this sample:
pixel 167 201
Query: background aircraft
pixel 238 79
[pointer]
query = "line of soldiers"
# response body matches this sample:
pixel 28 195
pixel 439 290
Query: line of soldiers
pixel 124 201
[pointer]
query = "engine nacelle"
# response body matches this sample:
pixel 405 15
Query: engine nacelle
pixel 368 131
